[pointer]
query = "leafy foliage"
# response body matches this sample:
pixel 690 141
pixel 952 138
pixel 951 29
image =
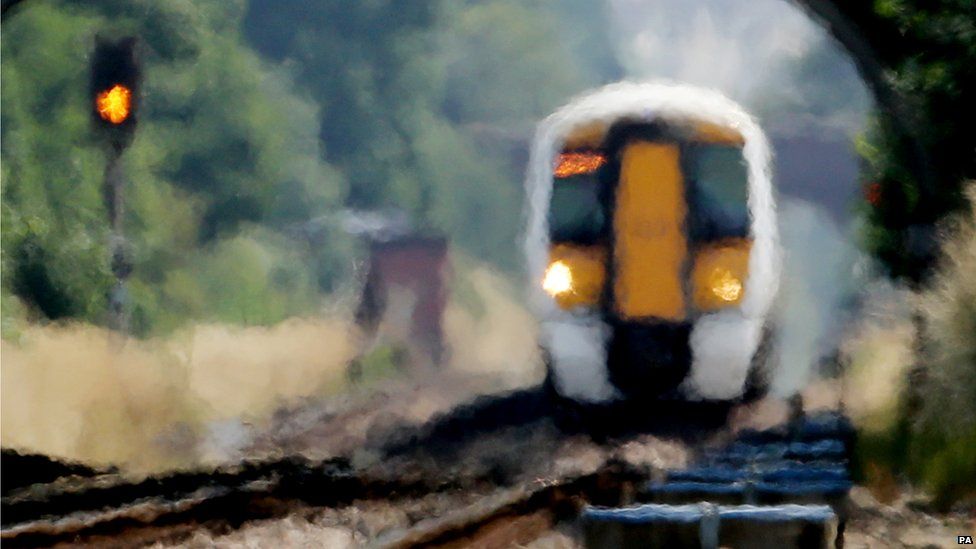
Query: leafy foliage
pixel 916 177
pixel 944 429
pixel 223 143
pixel 923 360
pixel 241 157
pixel 429 106
pixel 919 175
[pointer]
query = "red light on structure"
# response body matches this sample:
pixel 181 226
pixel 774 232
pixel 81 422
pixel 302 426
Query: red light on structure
pixel 577 163
pixel 872 193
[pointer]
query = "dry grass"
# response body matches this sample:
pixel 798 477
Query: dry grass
pixel 79 392
pixel 943 451
pixel 949 311
pixel 502 341
pixel 924 424
pixel 880 352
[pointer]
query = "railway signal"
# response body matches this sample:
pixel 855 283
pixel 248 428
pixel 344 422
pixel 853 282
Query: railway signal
pixel 114 95
pixel 115 78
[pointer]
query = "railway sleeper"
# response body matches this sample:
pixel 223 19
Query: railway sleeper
pixel 709 526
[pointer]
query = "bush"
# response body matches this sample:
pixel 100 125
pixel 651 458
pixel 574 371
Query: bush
pixel 911 382
pixel 943 452
pixel 225 149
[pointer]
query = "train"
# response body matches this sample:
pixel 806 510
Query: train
pixel 651 246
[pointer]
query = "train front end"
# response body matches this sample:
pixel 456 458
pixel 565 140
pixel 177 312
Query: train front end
pixel 651 244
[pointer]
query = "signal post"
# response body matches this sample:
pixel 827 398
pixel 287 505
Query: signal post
pixel 114 93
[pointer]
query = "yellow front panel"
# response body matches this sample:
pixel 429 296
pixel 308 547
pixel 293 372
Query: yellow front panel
pixel 587 136
pixel 650 245
pixel 712 133
pixel 720 273
pixel 587 267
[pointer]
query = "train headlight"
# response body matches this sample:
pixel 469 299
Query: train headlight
pixel 576 275
pixel 558 279
pixel 719 274
pixel 725 285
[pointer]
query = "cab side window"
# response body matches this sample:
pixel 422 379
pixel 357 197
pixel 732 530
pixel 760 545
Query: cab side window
pixel 576 209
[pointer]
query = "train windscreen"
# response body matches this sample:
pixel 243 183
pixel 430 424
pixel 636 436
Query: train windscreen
pixel 575 211
pixel 718 192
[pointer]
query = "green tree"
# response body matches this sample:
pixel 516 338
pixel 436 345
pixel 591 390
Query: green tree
pixel 429 106
pixel 919 158
pixel 223 144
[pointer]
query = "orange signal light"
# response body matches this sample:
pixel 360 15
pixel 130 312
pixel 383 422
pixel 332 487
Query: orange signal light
pixel 115 104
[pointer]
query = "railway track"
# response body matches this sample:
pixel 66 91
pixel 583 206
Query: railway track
pixel 527 475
